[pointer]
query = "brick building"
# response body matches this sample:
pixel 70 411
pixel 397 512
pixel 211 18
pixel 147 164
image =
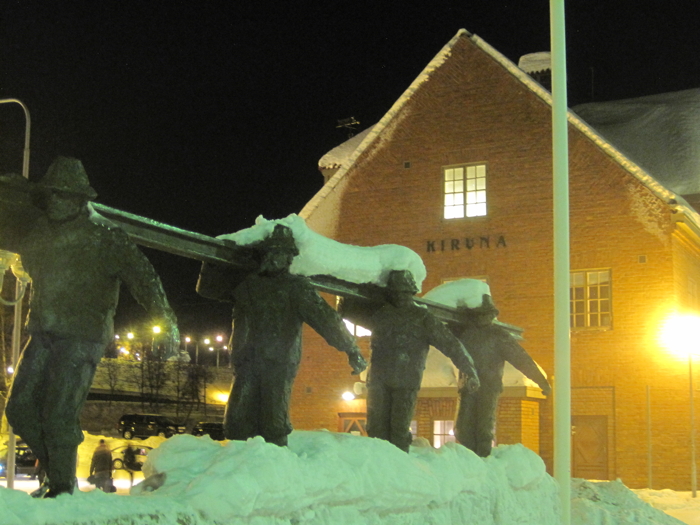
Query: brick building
pixel 459 170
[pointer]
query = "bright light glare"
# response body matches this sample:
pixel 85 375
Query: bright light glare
pixel 221 396
pixel 348 396
pixel 211 348
pixel 156 329
pixel 188 340
pixel 219 338
pixel 123 350
pixel 680 334
pixel 10 370
pixel 207 341
pixel 130 335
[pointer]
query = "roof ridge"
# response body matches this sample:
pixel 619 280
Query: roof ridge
pixel 670 197
pixel 423 76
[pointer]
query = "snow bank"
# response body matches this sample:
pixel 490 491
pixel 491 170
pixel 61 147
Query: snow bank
pixel 322 478
pixel 610 502
pixel 320 255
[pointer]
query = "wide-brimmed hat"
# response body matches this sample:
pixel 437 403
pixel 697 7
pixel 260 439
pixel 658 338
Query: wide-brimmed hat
pixel 67 175
pixel 487 307
pixel 402 281
pixel 281 239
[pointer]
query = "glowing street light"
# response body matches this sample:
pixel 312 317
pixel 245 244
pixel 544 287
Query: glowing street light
pixel 348 396
pixel 130 335
pixel 680 334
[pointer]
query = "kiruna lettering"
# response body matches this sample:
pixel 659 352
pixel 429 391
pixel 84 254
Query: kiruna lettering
pixel 466 243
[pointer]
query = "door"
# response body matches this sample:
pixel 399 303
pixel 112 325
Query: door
pixel 589 447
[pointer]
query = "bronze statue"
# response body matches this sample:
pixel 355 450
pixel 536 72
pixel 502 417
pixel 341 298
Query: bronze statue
pixel 269 309
pixel 490 346
pixel 77 265
pixel 402 333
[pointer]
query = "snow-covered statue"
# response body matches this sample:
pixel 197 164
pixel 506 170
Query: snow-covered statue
pixel 270 306
pixel 76 266
pixel 402 333
pixel 491 346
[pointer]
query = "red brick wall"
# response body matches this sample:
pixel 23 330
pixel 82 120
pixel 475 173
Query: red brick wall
pixel 471 110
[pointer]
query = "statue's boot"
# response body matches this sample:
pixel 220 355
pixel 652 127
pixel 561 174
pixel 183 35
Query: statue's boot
pixel 42 490
pixel 62 471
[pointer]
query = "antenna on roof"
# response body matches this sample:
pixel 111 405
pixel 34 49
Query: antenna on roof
pixel 350 124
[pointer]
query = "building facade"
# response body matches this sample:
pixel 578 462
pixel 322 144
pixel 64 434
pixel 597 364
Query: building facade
pixel 460 171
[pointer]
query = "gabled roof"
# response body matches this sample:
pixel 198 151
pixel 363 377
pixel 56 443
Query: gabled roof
pixel 661 133
pixel 375 134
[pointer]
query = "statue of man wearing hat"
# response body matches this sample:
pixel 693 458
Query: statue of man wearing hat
pixel 76 265
pixel 490 346
pixel 269 309
pixel 402 334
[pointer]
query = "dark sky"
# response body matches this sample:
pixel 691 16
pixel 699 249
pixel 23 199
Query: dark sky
pixel 206 114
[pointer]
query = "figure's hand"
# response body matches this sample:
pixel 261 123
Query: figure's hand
pixel 546 389
pixel 357 362
pixel 473 384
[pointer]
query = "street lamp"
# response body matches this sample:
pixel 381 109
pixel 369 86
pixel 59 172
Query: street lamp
pixel 680 335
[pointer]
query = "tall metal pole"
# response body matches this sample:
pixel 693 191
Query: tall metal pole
pixel 650 464
pixel 17 328
pixel 562 342
pixel 693 466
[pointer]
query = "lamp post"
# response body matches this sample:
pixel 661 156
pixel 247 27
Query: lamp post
pixel 680 335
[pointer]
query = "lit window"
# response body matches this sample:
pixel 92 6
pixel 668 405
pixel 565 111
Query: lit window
pixel 356 329
pixel 589 298
pixel 465 191
pixel 443 432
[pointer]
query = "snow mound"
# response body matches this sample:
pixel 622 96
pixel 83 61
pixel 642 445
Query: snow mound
pixel 461 293
pixel 611 502
pixel 319 255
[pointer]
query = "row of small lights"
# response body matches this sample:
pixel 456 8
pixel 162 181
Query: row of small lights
pixel 157 330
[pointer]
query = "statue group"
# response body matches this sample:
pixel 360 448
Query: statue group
pixel 77 264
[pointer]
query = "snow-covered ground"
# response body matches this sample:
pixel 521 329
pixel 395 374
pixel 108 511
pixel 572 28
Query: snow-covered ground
pixel 326 478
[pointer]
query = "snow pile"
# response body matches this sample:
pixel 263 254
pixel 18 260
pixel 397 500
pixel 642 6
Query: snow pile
pixel 319 255
pixel 680 505
pixel 459 294
pixel 322 478
pixel 611 502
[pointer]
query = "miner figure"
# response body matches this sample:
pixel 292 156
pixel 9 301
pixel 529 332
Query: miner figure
pixel 490 346
pixel 270 306
pixel 402 334
pixel 77 265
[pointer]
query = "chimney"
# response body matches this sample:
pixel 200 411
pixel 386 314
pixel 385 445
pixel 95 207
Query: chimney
pixel 539 67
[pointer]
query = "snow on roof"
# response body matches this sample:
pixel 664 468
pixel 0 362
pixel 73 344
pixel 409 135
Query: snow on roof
pixel 534 62
pixel 388 122
pixel 383 130
pixel 661 133
pixel 339 155
pixel 319 255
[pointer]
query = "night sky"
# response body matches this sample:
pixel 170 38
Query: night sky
pixel 206 114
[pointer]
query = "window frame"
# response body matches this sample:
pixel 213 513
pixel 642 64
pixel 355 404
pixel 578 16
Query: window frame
pixel 464 201
pixel 443 437
pixel 588 300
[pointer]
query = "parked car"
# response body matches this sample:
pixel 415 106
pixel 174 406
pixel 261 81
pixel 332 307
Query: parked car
pixel 25 460
pixel 120 458
pixel 214 430
pixel 146 425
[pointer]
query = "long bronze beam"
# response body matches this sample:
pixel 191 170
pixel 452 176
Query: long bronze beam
pixel 170 239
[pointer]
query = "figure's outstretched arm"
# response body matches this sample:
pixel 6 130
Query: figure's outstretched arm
pixel 142 281
pixel 318 314
pixel 442 339
pixel 521 360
